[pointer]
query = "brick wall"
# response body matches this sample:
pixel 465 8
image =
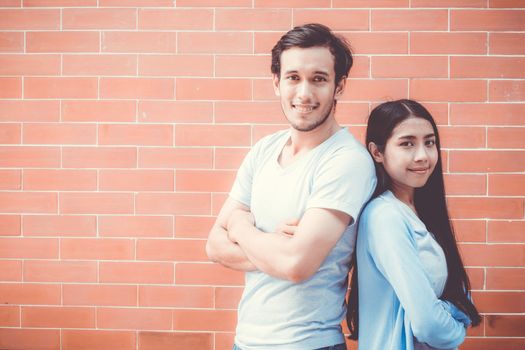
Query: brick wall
pixel 122 123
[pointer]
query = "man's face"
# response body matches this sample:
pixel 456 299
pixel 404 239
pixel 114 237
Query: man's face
pixel 307 87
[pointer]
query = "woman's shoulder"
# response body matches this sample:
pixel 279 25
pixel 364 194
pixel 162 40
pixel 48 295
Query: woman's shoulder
pixel 383 213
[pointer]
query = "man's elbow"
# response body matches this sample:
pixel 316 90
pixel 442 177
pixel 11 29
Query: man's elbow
pixel 298 272
pixel 211 251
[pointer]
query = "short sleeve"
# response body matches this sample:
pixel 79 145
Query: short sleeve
pixel 242 186
pixel 344 182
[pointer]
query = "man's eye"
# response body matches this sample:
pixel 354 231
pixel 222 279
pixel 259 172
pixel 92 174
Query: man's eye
pixel 319 79
pixel 292 77
pixel 406 144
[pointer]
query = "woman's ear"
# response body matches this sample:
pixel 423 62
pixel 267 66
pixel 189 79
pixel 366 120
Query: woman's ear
pixel 375 152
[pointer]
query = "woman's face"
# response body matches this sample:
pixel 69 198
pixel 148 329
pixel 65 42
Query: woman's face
pixel 410 154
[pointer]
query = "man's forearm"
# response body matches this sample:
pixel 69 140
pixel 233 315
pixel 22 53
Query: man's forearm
pixel 227 253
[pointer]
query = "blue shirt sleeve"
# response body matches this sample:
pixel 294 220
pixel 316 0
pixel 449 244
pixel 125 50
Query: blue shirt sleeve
pixel 394 252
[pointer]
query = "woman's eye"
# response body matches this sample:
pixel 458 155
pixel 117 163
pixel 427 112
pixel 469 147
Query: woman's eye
pixel 431 142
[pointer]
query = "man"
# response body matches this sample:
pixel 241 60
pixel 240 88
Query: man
pixel 289 221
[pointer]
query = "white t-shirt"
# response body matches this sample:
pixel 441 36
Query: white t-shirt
pixel 338 174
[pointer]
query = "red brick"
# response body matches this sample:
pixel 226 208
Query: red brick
pixel 28 202
pixel 9 316
pixel 449 3
pixel 85 18
pixel 180 158
pixel 60 180
pixel 137 88
pixel 212 135
pixel 61 87
pixel 139 42
pixel 103 111
pixel 174 340
pixel 96 248
pixel 176 19
pixel 135 226
pixel 506 278
pixel 493 255
pixel 213 89
pixel 224 341
pixel 420 20
pixel 10 225
pixel 135 134
pixel 29 293
pixel 217 202
pixel 99 294
pixel 143 319
pixel 60 271
pixel 11 42
pixel 505 325
pixel 477 277
pixel 171 250
pixel 96 203
pixel 487 67
pixel 340 19
pixel 10 87
pixel 375 90
pixel 292 4
pixel 470 230
pixel 260 19
pixel 485 207
pixel 58 317
pixel 215 42
pixel 105 64
pixel 242 66
pixel 507 185
pixel 59 225
pixel 487 20
pixel 448 43
pixel 207 274
pixel 487 114
pixel 506 3
pixel 175 111
pixel 227 297
pixel 499 302
pixel 466 184
pixel 462 137
pixel 98 339
pixel 229 158
pixel 176 296
pixel 136 180
pixel 507 90
pixel 176 65
pixel 204 320
pixel 378 42
pixel 370 3
pixel 193 226
pixel 487 161
pixel 246 112
pixel 506 138
pixel 506 231
pixel 10 133
pixel 136 3
pixel 26 19
pixel 28 248
pixel 99 157
pixel 173 203
pixel 59 3
pixel 63 41
pixel 507 43
pixel 448 90
pixel 35 339
pixel 204 181
pixel 493 343
pixel 11 271
pixel 38 64
pixel 409 67
pixel 59 134
pixel 136 272
pixel 29 110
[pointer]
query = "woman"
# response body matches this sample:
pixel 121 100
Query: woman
pixel 412 286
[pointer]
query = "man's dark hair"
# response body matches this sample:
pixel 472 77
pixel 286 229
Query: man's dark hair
pixel 313 35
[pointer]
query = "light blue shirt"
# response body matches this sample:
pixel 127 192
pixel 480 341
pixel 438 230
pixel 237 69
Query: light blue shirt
pixel 402 272
pixel 337 174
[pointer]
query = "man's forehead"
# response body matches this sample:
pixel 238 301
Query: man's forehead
pixel 312 59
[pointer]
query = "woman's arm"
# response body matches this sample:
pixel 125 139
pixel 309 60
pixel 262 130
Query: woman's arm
pixel 395 254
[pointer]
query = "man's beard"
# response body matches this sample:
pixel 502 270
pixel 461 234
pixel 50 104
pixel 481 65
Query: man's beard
pixel 317 123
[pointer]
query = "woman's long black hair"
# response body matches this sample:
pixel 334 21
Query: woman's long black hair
pixel 430 204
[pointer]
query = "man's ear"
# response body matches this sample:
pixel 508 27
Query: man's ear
pixel 275 81
pixel 375 152
pixel 340 88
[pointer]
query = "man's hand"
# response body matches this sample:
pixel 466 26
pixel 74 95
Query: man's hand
pixel 287 227
pixel 237 221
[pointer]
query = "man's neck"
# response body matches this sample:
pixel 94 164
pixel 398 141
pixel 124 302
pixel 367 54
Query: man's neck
pixel 303 141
